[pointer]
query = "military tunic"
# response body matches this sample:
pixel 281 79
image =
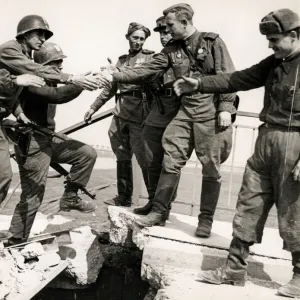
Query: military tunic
pixel 198 112
pixel 125 130
pixel 39 104
pixel 268 178
pixel 15 59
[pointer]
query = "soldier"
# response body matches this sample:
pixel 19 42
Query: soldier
pixel 203 122
pixel 15 55
pixel 272 174
pixel 129 114
pixel 9 92
pixel 39 105
pixel 163 109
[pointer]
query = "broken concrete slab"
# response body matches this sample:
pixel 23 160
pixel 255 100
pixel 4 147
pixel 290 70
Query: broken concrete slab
pixel 84 259
pixel 175 247
pixel 188 288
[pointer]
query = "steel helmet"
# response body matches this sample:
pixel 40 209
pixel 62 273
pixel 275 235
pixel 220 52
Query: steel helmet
pixel 48 52
pixel 33 22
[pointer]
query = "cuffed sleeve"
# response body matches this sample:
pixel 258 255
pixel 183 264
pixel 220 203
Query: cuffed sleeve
pixel 107 93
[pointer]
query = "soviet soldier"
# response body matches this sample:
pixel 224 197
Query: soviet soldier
pixel 15 55
pixel 39 105
pixel 272 174
pixel 129 114
pixel 203 121
pixel 10 88
pixel 163 109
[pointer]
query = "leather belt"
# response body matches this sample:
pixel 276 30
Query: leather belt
pixel 134 93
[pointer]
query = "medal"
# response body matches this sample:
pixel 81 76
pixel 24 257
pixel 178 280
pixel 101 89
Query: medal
pixel 200 51
pixel 178 55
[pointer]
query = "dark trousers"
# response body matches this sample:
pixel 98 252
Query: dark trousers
pixel 34 170
pixel 267 181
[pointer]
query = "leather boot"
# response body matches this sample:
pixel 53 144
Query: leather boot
pixel 153 178
pixel 173 199
pixel 235 270
pixel 209 199
pixel 166 187
pixel 124 185
pixel 292 288
pixel 70 200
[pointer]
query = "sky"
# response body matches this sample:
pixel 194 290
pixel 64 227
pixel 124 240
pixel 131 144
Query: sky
pixel 90 31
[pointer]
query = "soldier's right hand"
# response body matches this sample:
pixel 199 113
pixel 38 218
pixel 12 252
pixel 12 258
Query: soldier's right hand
pixel 29 80
pixel 88 115
pixel 88 82
pixel 185 85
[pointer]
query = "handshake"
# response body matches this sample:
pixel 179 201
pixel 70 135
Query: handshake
pixel 94 80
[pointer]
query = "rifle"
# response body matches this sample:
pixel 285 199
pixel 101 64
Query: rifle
pixel 63 172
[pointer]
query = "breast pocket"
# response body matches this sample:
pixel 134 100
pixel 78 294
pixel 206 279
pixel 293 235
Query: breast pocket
pixel 291 98
pixel 180 65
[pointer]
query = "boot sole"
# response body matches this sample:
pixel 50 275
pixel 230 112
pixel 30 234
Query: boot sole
pixel 228 282
pixel 281 293
pixel 202 235
pixel 161 223
pixel 141 213
pixel 69 209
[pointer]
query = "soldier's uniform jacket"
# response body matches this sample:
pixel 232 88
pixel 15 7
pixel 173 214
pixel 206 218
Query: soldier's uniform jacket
pixel 277 76
pixel 129 104
pixel 9 93
pixel 169 101
pixel 212 57
pixel 15 59
pixel 39 104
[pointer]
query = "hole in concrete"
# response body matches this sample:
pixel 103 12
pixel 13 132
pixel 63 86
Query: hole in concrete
pixel 119 278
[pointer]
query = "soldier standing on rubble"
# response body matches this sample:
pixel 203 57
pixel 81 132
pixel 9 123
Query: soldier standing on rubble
pixel 272 174
pixel 203 122
pixel 39 105
pixel 15 55
pixel 163 109
pixel 129 114
pixel 9 92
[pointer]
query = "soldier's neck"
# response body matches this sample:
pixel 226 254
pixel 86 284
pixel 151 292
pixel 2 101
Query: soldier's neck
pixel 189 32
pixel 294 53
pixel 26 50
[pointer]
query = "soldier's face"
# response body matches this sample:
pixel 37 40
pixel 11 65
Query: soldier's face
pixel 175 26
pixel 137 40
pixel 35 39
pixel 281 44
pixel 165 36
pixel 56 64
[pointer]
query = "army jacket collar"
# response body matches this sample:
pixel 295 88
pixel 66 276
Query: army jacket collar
pixel 287 63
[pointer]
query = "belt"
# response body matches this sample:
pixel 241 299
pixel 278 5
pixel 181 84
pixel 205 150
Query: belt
pixel 135 93
pixel 285 128
pixel 167 92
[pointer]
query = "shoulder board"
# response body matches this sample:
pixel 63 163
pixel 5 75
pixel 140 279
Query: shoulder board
pixel 145 51
pixel 210 35
pixel 123 56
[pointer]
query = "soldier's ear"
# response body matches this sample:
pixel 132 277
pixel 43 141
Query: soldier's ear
pixel 294 34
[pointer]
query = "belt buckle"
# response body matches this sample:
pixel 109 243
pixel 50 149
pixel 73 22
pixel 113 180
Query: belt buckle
pixel 169 92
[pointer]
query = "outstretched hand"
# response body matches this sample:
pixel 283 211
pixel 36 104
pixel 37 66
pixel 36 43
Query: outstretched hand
pixel 185 85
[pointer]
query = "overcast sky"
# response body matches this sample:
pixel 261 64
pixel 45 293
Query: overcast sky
pixel 90 31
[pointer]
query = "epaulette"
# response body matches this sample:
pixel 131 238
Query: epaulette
pixel 123 56
pixel 145 51
pixel 210 35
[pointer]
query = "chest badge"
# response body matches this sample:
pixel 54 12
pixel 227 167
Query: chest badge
pixel 178 55
pixel 200 51
pixel 139 61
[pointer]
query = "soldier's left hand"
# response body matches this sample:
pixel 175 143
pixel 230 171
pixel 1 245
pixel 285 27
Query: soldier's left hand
pixel 224 119
pixel 296 171
pixel 23 119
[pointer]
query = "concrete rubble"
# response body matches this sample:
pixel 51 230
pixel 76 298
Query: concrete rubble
pixel 173 256
pixel 21 268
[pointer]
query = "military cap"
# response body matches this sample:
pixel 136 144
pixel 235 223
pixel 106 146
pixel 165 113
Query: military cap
pixel 279 21
pixel 133 26
pixel 179 5
pixel 160 24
